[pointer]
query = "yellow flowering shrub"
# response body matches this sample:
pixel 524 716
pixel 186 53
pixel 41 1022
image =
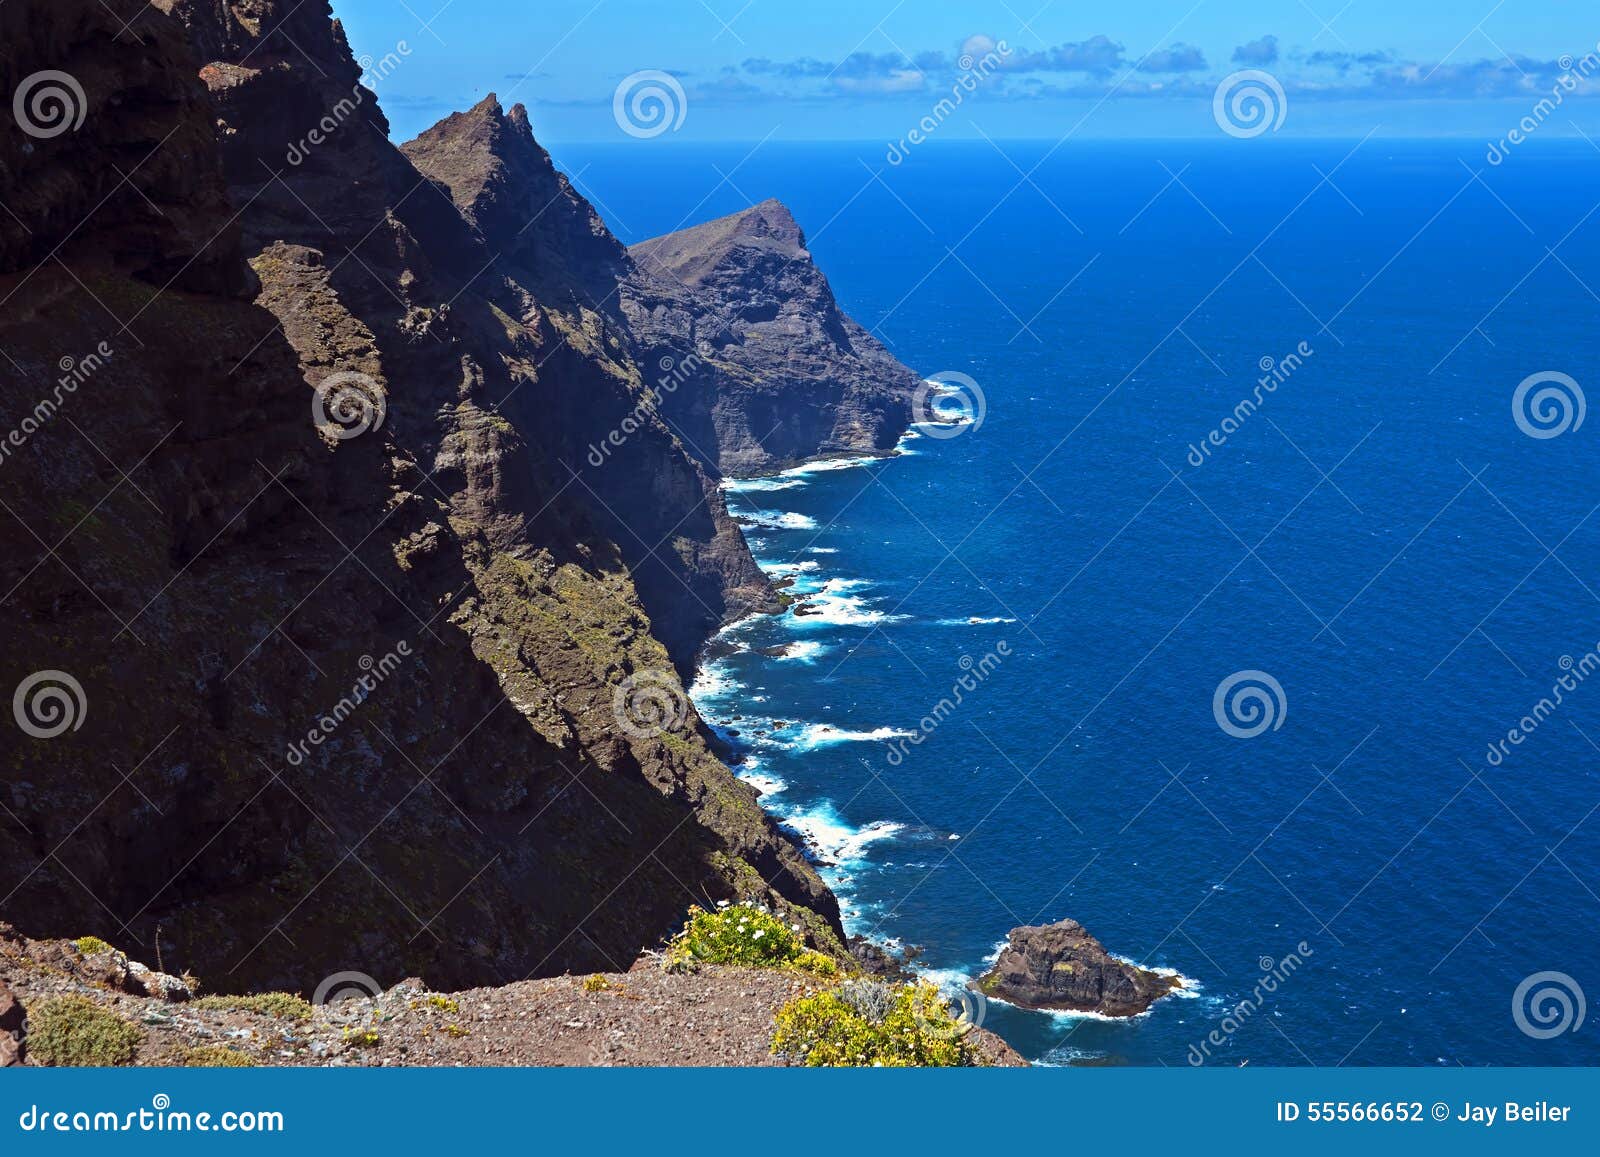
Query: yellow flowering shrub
pixel 873 1024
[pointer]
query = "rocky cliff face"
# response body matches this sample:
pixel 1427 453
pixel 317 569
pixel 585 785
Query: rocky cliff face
pixel 366 663
pixel 763 370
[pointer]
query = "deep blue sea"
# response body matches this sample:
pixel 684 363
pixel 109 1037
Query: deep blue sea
pixel 1378 535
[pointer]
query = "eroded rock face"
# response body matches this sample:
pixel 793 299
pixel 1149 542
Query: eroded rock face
pixel 1061 966
pixel 757 366
pixel 450 600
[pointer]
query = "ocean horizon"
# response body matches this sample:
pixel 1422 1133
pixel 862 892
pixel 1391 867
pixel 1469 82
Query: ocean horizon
pixel 1237 420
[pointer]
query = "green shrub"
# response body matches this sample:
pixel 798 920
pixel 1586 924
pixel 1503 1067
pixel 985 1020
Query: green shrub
pixel 817 964
pixel 595 983
pixel 92 945
pixel 744 934
pixel 280 1004
pixel 871 1023
pixel 215 1057
pixel 75 1031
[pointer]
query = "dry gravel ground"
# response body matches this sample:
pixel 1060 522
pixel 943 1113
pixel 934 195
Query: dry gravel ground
pixel 717 1016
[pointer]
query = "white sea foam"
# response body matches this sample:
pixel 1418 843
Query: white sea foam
pixel 785 569
pixel 712 682
pixel 818 735
pixel 822 550
pixel 804 651
pixel 975 621
pixel 779 520
pixel 827 465
pixel 764 782
pixel 760 485
pixel 950 980
pixel 831 838
pixel 830 606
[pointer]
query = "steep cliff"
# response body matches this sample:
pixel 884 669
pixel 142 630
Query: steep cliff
pixel 770 371
pixel 750 359
pixel 367 665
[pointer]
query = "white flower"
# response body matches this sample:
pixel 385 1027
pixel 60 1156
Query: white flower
pixel 760 932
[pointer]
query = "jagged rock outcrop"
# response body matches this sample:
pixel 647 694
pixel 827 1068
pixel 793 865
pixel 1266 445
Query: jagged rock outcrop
pixel 756 365
pixel 526 211
pixel 349 692
pixel 1061 966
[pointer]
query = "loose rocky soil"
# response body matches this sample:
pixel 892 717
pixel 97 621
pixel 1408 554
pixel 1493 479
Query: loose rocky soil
pixel 714 1017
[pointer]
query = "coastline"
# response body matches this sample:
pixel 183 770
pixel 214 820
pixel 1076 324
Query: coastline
pixel 752 734
pixel 749 731
pixel 813 600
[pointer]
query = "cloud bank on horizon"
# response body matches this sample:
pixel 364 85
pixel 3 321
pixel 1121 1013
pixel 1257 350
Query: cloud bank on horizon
pixel 839 68
pixel 1100 67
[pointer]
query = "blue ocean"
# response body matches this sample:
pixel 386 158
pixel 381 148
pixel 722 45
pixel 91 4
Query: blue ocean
pixel 1289 696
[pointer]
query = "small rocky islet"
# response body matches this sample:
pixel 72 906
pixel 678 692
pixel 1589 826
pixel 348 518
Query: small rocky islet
pixel 1061 967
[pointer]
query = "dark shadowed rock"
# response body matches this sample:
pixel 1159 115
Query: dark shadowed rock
pixel 477 814
pixel 12 1019
pixel 1061 966
pixel 756 365
pixel 527 212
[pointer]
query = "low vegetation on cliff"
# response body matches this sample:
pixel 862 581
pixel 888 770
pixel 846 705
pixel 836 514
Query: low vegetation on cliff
pixel 746 934
pixel 867 1022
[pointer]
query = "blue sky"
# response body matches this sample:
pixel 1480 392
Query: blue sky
pixel 873 69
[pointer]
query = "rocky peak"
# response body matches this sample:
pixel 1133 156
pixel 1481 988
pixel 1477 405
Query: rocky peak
pixel 529 214
pixel 780 372
pixel 729 244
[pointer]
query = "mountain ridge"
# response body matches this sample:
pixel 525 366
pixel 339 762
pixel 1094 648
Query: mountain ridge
pixel 444 613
